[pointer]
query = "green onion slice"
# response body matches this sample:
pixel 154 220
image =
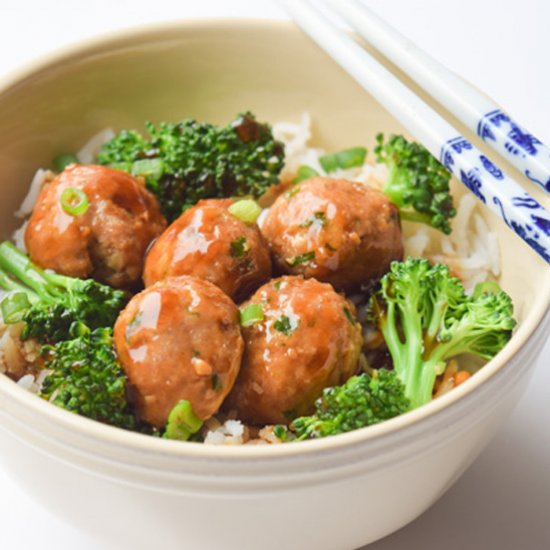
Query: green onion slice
pixel 348 158
pixel 148 168
pixel 304 173
pixel 14 306
pixel 122 166
pixel 246 210
pixel 182 422
pixel 74 201
pixel 251 314
pixel 62 161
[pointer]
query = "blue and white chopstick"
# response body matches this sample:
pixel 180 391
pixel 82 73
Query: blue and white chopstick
pixel 500 193
pixel 478 112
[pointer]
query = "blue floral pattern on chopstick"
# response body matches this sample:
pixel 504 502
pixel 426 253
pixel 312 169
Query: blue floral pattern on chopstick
pixel 523 149
pixel 521 212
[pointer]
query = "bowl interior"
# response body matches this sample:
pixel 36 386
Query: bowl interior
pixel 209 71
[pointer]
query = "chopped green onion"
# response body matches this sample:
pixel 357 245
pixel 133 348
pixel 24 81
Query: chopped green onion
pixel 74 201
pixel 239 247
pixel 123 166
pixel 14 306
pixel 251 314
pixel 292 191
pixel 281 432
pixel 153 168
pixel 304 173
pixel 348 158
pixel 182 422
pixel 245 210
pixel 62 161
pixel 301 258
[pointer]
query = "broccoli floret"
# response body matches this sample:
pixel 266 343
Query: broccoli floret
pixel 362 401
pixel 86 377
pixel 50 303
pixel 188 161
pixel 426 318
pixel 417 183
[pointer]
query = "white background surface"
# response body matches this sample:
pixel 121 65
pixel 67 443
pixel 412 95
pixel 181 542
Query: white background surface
pixel 503 501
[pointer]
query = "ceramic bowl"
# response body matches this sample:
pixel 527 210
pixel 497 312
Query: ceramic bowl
pixel 138 491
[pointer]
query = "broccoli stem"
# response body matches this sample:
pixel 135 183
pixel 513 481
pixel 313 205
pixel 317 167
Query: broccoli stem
pixel 426 318
pixel 16 262
pixel 417 375
pixel 7 283
pixel 56 301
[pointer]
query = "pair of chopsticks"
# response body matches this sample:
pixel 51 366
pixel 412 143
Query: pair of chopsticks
pixel 498 191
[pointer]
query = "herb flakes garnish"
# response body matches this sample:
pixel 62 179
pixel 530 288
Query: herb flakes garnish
pixel 239 247
pixel 348 315
pixel 292 191
pixel 301 258
pixel 318 218
pixel 284 324
pixel 216 383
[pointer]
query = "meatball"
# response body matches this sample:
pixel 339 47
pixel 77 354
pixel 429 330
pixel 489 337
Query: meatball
pixel 179 339
pixel 108 239
pixel 208 242
pixel 335 230
pixel 307 340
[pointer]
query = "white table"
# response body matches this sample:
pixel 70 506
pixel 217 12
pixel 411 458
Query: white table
pixel 503 46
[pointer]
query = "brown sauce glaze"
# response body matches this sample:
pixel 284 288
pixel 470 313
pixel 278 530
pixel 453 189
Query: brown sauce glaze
pixel 179 339
pixel 337 231
pixel 308 340
pixel 107 241
pixel 207 241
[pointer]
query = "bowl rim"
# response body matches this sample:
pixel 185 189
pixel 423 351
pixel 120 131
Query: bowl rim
pixel 134 37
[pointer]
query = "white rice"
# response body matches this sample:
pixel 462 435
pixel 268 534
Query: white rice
pixel 231 432
pixel 91 148
pixel 234 432
pixel 32 195
pixel 18 237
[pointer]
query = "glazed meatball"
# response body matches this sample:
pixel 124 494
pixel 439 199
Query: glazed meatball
pixel 335 230
pixel 207 241
pixel 179 339
pixel 107 239
pixel 307 340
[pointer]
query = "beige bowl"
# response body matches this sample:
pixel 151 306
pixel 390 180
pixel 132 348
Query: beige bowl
pixel 141 492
